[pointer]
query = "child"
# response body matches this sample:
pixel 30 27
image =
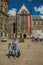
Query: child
pixel 9 50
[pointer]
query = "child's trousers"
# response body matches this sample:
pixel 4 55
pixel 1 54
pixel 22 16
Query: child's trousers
pixel 10 54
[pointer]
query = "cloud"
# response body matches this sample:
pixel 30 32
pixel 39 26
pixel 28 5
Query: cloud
pixel 39 9
pixel 41 16
pixel 12 12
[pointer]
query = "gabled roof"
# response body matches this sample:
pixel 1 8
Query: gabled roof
pixel 4 13
pixel 23 8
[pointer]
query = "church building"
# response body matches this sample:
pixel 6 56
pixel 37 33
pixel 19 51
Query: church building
pixel 25 23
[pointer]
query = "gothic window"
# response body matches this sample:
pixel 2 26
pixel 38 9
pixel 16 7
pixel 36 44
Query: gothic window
pixel 22 21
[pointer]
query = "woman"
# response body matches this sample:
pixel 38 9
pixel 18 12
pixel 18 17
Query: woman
pixel 15 47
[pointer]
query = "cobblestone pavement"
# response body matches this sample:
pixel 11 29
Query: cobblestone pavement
pixel 31 53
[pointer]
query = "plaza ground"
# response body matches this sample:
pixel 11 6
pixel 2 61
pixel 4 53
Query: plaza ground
pixel 31 53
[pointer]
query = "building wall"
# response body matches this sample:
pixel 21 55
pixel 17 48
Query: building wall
pixel 3 17
pixel 36 24
pixel 4 6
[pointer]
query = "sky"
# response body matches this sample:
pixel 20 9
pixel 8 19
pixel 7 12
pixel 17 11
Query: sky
pixel 34 6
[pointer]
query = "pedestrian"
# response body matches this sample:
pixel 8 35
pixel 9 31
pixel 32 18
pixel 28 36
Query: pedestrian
pixel 9 50
pixel 15 47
